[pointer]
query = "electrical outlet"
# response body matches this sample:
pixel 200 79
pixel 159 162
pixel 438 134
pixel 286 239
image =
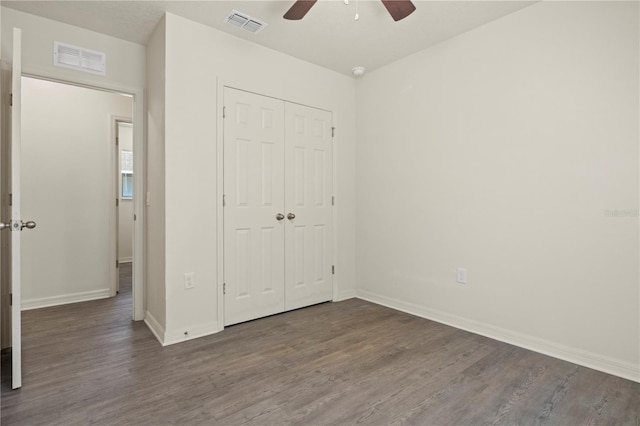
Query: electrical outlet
pixel 189 281
pixel 461 275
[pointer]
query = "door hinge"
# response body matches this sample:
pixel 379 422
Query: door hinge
pixel 11 99
pixel 224 112
pixel 11 199
pixel 224 288
pixel 117 264
pixel 333 132
pixel 135 217
pixel 117 202
pixel 117 140
pixel 333 270
pixel 224 200
pixel 333 201
pixel 10 299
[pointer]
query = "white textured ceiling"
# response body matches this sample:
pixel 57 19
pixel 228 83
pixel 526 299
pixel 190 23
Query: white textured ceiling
pixel 328 36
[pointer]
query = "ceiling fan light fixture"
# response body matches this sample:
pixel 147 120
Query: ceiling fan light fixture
pixel 398 9
pixel 357 72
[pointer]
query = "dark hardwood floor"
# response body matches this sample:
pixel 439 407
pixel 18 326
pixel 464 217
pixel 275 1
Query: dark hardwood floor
pixel 336 363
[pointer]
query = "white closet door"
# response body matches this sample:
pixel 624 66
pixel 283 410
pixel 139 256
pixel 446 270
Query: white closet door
pixel 308 192
pixel 253 188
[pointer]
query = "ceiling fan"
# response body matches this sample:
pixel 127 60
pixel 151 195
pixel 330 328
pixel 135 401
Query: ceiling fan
pixel 398 9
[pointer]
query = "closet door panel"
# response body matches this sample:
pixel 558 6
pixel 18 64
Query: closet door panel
pixel 308 192
pixel 254 196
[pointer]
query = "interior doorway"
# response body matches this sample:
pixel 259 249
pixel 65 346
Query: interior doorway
pixel 70 183
pixel 78 179
pixel 123 132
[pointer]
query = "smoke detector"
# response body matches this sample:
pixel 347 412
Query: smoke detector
pixel 358 72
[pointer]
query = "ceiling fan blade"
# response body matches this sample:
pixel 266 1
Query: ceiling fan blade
pixel 299 9
pixel 399 9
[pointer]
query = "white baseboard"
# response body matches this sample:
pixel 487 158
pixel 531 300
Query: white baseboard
pixel 64 299
pixel 192 332
pixel 346 294
pixel 167 338
pixel 125 259
pixel 156 328
pixel 577 356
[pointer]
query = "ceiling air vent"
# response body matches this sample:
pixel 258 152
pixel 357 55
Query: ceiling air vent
pixel 244 21
pixel 79 58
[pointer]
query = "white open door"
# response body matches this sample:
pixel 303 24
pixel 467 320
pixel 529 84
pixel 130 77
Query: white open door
pixel 15 224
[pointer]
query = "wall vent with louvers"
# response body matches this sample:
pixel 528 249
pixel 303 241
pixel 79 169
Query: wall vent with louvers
pixel 79 58
pixel 244 21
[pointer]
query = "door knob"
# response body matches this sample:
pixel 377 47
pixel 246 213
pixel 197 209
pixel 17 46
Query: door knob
pixel 17 227
pixel 279 216
pixel 29 225
pixel 291 216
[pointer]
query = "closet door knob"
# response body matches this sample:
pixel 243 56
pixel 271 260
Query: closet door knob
pixel 291 216
pixel 29 225
pixel 279 216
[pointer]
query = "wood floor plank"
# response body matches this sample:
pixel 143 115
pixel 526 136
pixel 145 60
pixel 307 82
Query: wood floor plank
pixel 343 363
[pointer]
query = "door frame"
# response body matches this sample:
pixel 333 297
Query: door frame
pixel 137 119
pixel 114 239
pixel 220 85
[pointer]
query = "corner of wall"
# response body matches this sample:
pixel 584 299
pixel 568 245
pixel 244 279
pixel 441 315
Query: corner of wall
pixel 172 337
pixel 155 222
pixel 156 328
pixel 346 294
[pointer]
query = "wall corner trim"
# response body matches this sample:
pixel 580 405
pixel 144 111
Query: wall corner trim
pixel 194 332
pixel 345 295
pixel 155 327
pixel 581 357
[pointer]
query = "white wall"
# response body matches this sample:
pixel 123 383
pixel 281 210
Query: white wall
pixel 68 188
pixel 192 174
pixel 125 60
pixel 502 151
pixel 155 314
pixel 125 209
pixel 125 72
